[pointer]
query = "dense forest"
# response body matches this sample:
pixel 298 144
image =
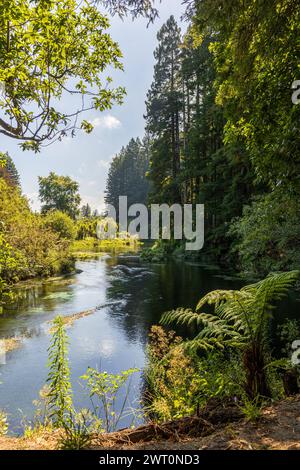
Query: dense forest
pixel 223 130
pixel 127 174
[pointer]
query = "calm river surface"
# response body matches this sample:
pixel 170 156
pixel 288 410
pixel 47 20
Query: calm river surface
pixel 129 296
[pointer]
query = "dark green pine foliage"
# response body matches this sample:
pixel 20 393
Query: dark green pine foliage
pixel 189 161
pixel 256 57
pixel 163 117
pixel 86 211
pixel 8 170
pixel 127 175
pixel 213 174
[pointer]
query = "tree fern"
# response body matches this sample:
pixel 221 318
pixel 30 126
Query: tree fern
pixel 239 320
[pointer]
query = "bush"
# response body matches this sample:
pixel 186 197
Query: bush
pixel 10 263
pixel 3 423
pixel 87 227
pixel 36 249
pixel 178 383
pixel 106 392
pixel 268 234
pixel 159 252
pixel 62 224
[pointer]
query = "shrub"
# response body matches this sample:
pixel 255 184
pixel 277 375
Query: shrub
pixel 3 423
pixel 36 249
pixel 268 234
pixel 240 320
pixel 159 252
pixel 104 391
pixel 86 227
pixel 178 384
pixel 11 262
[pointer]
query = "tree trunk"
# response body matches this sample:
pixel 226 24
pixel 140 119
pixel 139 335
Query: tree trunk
pixel 256 380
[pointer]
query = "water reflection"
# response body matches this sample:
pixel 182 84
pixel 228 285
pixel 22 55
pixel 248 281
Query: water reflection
pixel 127 296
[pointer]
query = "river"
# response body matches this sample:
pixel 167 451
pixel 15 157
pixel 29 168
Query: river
pixel 129 297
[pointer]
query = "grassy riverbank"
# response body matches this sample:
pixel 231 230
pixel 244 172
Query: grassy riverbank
pixel 92 247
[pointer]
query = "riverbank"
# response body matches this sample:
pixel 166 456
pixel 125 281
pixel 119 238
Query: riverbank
pixel 277 428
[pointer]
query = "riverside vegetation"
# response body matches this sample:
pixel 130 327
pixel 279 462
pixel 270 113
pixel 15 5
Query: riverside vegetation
pixel 229 361
pixel 36 245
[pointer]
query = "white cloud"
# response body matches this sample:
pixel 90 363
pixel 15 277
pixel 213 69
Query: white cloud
pixel 103 164
pixel 95 202
pixel 106 122
pixel 34 201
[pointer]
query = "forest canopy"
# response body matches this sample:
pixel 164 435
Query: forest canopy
pixel 223 129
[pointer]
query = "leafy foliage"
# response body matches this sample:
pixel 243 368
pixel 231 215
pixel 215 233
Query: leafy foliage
pixel 60 392
pixel 87 227
pixel 104 390
pixel 267 235
pixel 288 332
pixel 189 161
pixel 224 130
pixel 3 423
pixel 59 193
pixel 61 223
pixel 50 49
pixel 178 383
pixel 35 250
pixel 134 8
pixel 10 263
pixel 256 65
pixel 252 409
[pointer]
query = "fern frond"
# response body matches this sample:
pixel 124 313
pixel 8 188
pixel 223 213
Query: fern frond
pixel 205 344
pixel 239 316
pixel 273 289
pixel 216 297
pixel 180 316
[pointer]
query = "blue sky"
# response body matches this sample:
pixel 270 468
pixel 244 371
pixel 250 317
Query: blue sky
pixel 86 158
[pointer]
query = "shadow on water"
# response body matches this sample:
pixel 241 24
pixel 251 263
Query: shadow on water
pixel 129 297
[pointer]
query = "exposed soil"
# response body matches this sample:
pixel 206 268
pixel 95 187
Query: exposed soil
pixel 219 428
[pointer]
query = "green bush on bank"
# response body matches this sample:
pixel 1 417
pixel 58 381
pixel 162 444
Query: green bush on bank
pixel 62 224
pixel 267 235
pixel 92 245
pixel 29 247
pixel 178 383
pixel 159 252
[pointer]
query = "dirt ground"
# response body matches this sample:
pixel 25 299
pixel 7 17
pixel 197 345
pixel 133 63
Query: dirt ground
pixel 278 428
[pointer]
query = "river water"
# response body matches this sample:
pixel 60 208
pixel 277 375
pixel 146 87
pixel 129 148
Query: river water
pixel 129 297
